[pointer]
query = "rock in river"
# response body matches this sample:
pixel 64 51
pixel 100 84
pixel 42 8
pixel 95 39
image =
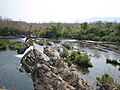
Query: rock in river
pixel 22 49
pixel 51 75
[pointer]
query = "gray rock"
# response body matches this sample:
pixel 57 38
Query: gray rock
pixel 51 75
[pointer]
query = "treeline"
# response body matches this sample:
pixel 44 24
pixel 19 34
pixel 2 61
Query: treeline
pixel 21 25
pixel 9 27
pixel 10 31
pixel 98 31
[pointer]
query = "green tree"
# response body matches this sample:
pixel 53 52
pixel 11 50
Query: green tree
pixel 84 25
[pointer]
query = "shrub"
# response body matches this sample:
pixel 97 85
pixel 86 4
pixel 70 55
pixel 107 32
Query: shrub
pixel 83 61
pixel 67 46
pixel 105 79
pixel 64 54
pixel 73 55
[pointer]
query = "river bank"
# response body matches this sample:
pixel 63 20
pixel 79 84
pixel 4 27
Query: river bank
pixel 11 37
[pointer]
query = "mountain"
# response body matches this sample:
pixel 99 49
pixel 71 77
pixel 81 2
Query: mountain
pixel 104 19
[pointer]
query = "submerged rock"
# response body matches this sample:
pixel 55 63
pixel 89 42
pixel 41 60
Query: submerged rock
pixel 51 75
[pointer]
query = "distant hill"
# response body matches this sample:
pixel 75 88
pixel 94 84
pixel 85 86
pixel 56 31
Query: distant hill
pixel 104 19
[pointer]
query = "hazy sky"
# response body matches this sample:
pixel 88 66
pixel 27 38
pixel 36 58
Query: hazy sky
pixel 58 10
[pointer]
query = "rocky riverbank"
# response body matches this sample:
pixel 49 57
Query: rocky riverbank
pixel 51 75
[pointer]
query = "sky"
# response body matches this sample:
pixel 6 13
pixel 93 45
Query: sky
pixel 58 10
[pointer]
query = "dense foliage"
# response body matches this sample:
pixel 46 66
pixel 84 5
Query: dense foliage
pixel 9 31
pixel 83 60
pixel 79 59
pixel 51 32
pixel 100 31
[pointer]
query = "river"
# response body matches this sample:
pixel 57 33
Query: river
pixel 98 59
pixel 11 77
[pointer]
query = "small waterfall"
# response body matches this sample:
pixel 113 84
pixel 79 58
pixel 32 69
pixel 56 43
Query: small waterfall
pixel 23 39
pixel 39 48
pixel 21 55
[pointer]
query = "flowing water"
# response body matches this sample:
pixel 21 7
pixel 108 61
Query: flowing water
pixel 11 77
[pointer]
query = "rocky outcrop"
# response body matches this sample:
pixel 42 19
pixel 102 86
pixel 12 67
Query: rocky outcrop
pixel 23 48
pixel 49 52
pixel 51 75
pixel 107 86
pixel 41 41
